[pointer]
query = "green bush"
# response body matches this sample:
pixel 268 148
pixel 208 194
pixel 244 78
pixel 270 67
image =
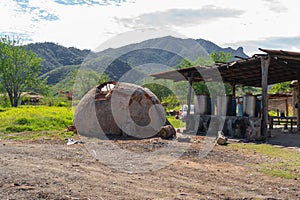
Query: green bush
pixel 62 104
pixel 59 101
pixel 170 102
pixel 272 113
pixel 23 121
pixel 2 109
pixel 4 101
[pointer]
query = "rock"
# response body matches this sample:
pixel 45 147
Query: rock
pixel 184 139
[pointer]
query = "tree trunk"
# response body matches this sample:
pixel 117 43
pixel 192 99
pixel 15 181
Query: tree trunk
pixel 10 98
pixel 16 99
pixel 15 102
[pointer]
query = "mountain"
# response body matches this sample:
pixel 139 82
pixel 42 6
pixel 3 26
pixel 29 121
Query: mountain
pixel 187 48
pixel 60 73
pixel 55 55
pixel 153 55
pixel 166 51
pixel 210 47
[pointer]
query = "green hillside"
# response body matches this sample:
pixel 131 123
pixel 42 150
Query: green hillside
pixel 55 55
pixel 60 64
pixel 60 73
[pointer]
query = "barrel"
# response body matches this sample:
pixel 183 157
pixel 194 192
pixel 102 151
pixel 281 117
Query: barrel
pixel 224 105
pixel 240 109
pixel 249 105
pixel 233 107
pixel 202 104
pixel 258 108
pixel 212 106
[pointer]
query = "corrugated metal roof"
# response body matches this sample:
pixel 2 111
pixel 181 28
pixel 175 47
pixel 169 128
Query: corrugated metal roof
pixel 284 66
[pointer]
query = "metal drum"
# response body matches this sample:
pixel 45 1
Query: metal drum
pixel 258 108
pixel 212 106
pixel 224 105
pixel 202 104
pixel 240 109
pixel 249 105
pixel 233 107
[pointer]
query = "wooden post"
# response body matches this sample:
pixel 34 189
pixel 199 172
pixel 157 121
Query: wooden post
pixel 233 89
pixel 189 97
pixel 294 100
pixel 286 107
pixel 265 62
pixel 233 99
pixel 298 101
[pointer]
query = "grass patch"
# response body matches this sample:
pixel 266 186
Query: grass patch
pixel 176 123
pixel 35 118
pixel 47 135
pixel 286 164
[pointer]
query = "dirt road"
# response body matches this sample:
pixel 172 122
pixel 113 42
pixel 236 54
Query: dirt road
pixel 52 170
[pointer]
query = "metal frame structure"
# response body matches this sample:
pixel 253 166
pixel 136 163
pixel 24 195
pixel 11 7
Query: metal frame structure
pixel 260 70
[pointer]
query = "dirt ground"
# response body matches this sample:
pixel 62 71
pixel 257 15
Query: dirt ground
pixel 53 170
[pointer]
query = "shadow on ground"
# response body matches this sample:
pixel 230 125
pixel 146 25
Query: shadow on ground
pixel 287 139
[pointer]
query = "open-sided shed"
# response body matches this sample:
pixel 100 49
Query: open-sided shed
pixel 260 70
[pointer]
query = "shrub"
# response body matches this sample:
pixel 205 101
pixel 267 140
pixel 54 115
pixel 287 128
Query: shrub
pixel 4 101
pixel 62 104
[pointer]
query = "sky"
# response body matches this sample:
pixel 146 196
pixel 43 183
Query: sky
pixel 87 24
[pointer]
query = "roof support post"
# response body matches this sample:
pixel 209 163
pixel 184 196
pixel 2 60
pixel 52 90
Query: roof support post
pixel 298 101
pixel 189 97
pixel 233 99
pixel 233 89
pixel 286 107
pixel 265 62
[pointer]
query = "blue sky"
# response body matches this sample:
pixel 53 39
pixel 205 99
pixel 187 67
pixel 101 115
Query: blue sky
pixel 89 23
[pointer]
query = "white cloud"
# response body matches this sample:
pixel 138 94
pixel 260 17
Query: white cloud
pixel 276 6
pixel 87 24
pixel 179 17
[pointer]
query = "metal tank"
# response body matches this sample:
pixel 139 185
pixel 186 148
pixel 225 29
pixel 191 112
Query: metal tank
pixel 239 106
pixel 240 109
pixel 202 104
pixel 233 109
pixel 249 105
pixel 258 108
pixel 224 105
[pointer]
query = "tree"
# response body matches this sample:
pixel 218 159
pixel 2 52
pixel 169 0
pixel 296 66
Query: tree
pixel 281 87
pixel 85 80
pixel 184 63
pixel 220 56
pixel 170 102
pixel 203 61
pixel 201 87
pixel 19 68
pixel 104 78
pixel 160 89
pixel 40 86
